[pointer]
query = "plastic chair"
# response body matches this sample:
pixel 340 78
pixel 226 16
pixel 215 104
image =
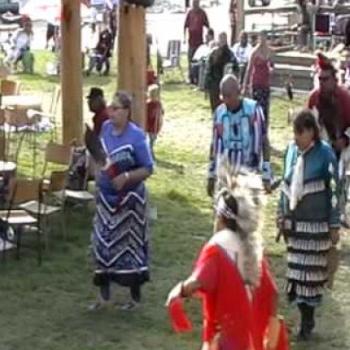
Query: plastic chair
pixel 17 122
pixel 50 115
pixel 173 58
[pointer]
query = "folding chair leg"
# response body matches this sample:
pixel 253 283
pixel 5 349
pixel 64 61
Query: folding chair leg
pixel 4 250
pixel 18 234
pixel 39 247
pixel 45 232
pixel 34 145
pixel 63 223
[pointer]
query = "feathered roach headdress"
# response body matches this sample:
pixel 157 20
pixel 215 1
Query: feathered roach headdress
pixel 325 63
pixel 239 198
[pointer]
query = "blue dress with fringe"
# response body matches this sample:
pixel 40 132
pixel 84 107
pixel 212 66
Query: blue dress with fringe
pixel 120 228
pixel 308 226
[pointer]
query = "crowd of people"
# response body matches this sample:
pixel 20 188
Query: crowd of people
pixel 232 273
pixel 310 209
pixel 98 39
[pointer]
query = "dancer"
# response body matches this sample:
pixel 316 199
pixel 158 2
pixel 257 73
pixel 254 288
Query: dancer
pixel 232 276
pixel 120 234
pixel 239 134
pixel 308 216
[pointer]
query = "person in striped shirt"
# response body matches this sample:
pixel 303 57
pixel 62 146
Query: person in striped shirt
pixel 239 133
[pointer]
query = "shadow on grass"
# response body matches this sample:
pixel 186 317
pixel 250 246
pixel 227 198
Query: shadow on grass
pixel 277 153
pixel 344 255
pixel 57 293
pixel 331 326
pixel 277 166
pixel 173 86
pixel 179 168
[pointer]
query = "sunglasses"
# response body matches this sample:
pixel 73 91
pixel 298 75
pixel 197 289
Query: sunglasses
pixel 116 108
pixel 323 79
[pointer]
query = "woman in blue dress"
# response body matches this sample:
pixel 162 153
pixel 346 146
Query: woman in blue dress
pixel 308 216
pixel 120 229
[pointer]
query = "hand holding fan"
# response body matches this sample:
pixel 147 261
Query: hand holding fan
pixel 94 146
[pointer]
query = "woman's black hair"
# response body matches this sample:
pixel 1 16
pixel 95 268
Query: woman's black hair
pixel 305 120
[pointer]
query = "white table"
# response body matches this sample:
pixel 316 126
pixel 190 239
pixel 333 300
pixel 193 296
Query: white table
pixel 21 102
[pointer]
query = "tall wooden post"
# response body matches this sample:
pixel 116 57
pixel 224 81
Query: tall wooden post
pixel 132 58
pixel 71 72
pixel 240 17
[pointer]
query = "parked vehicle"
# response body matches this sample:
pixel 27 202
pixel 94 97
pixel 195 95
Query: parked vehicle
pixel 144 3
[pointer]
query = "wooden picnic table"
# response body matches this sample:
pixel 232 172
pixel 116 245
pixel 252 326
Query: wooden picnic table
pixel 21 102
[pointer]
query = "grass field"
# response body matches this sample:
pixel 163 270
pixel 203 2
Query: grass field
pixel 45 308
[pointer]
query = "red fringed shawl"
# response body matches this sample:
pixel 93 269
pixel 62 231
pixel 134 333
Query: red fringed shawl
pixel 240 319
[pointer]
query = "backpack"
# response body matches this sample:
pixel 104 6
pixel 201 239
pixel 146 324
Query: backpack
pixel 78 170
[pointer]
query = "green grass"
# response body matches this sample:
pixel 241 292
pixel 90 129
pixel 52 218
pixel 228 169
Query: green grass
pixel 45 307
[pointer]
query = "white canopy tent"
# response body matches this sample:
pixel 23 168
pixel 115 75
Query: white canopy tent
pixel 107 3
pixel 48 10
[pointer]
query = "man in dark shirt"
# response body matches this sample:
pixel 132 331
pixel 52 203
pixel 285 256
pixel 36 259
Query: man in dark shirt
pixel 97 105
pixel 196 19
pixel 220 59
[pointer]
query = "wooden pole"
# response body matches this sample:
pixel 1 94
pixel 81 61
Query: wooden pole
pixel 240 17
pixel 132 58
pixel 71 72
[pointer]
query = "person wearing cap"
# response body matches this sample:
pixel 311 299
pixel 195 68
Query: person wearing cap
pixel 97 105
pixel 333 104
pixel 120 228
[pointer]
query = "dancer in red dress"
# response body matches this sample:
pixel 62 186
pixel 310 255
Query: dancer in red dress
pixel 232 276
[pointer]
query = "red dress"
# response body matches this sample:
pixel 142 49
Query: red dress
pixel 154 115
pixel 228 309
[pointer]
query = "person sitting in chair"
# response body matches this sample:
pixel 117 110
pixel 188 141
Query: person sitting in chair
pixel 20 50
pixel 202 53
pixel 102 53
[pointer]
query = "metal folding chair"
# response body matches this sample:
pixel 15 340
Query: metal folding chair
pixel 18 220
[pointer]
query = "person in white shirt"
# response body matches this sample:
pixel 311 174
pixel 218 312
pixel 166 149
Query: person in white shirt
pixel 242 50
pixel 200 56
pixel 21 43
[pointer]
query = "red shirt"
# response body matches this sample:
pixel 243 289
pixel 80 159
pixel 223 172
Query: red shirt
pixel 154 114
pixel 195 21
pixel 98 119
pixel 342 96
pixel 151 77
pixel 261 72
